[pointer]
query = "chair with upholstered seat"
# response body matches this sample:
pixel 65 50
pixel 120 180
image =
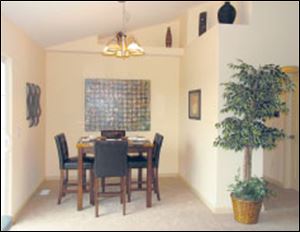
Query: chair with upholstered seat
pixel 140 162
pixel 66 163
pixel 110 161
pixel 111 134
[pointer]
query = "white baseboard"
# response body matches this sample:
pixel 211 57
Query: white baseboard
pixel 74 176
pixel 273 181
pixel 19 211
pixel 212 208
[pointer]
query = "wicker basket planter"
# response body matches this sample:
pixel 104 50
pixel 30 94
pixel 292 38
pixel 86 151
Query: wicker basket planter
pixel 246 212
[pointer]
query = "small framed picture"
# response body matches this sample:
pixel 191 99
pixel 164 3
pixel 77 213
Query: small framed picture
pixel 202 23
pixel 195 104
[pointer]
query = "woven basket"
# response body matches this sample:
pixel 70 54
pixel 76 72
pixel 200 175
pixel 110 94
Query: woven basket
pixel 246 212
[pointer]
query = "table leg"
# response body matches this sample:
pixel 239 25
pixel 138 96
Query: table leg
pixel 149 178
pixel 80 180
pixel 140 174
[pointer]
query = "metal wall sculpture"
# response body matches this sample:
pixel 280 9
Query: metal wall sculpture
pixel 33 104
pixel 117 105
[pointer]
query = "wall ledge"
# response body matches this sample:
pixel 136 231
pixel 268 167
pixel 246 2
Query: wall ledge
pixel 149 51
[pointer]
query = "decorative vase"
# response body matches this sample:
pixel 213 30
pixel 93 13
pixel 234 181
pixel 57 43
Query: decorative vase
pixel 227 13
pixel 169 38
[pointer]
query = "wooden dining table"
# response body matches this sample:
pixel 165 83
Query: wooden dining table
pixel 133 147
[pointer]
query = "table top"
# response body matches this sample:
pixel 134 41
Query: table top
pixel 85 143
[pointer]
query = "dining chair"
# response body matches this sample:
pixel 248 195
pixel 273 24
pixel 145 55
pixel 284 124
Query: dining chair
pixel 140 162
pixel 66 164
pixel 111 134
pixel 110 161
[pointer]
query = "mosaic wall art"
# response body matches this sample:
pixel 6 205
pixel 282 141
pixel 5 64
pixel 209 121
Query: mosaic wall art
pixel 33 104
pixel 117 105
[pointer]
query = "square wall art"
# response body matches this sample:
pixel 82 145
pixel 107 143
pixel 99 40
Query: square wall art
pixel 117 105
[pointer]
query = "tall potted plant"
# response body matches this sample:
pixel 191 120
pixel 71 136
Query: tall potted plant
pixel 253 97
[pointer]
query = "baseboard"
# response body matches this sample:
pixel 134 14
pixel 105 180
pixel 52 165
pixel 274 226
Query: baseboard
pixel 18 213
pixel 161 175
pixel 275 182
pixel 212 208
pixel 169 175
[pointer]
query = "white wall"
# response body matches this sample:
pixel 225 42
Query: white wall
pixel 27 61
pixel 154 36
pixel 65 75
pixel 243 9
pixel 198 157
pixel 260 40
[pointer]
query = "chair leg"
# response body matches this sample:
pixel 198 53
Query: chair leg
pixel 121 186
pixel 123 193
pixel 157 184
pixel 92 182
pixel 67 176
pixel 154 181
pixel 84 180
pixel 140 178
pixel 103 184
pixel 96 196
pixel 129 184
pixel 61 187
pixel 66 181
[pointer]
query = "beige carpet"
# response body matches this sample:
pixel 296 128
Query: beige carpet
pixel 179 209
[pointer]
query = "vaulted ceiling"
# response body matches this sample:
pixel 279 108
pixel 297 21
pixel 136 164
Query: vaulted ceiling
pixel 54 22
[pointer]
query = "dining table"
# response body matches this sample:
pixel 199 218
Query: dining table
pixel 85 146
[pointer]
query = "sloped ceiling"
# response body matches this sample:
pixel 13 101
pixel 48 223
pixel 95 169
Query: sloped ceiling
pixel 55 22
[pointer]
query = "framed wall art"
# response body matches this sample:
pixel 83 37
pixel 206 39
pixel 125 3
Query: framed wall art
pixel 34 111
pixel 117 105
pixel 195 104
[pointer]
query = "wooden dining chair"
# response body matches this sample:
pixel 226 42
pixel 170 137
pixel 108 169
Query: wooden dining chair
pixel 110 161
pixel 140 162
pixel 111 134
pixel 66 164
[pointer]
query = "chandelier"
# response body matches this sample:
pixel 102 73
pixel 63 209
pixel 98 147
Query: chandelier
pixel 122 46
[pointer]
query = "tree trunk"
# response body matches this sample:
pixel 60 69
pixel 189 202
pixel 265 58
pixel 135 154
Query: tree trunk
pixel 247 163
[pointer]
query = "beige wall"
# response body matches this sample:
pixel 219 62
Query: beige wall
pixel 198 157
pixel 207 169
pixel 27 61
pixel 66 73
pixel 191 18
pixel 294 128
pixel 258 43
pixel 154 36
pixel 188 148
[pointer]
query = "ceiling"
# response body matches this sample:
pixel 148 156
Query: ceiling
pixel 55 22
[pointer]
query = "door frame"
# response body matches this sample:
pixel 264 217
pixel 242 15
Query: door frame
pixel 290 178
pixel 8 157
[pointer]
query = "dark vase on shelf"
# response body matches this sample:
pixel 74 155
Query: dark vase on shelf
pixel 169 39
pixel 227 13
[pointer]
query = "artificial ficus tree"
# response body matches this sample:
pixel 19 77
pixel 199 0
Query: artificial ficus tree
pixel 253 97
